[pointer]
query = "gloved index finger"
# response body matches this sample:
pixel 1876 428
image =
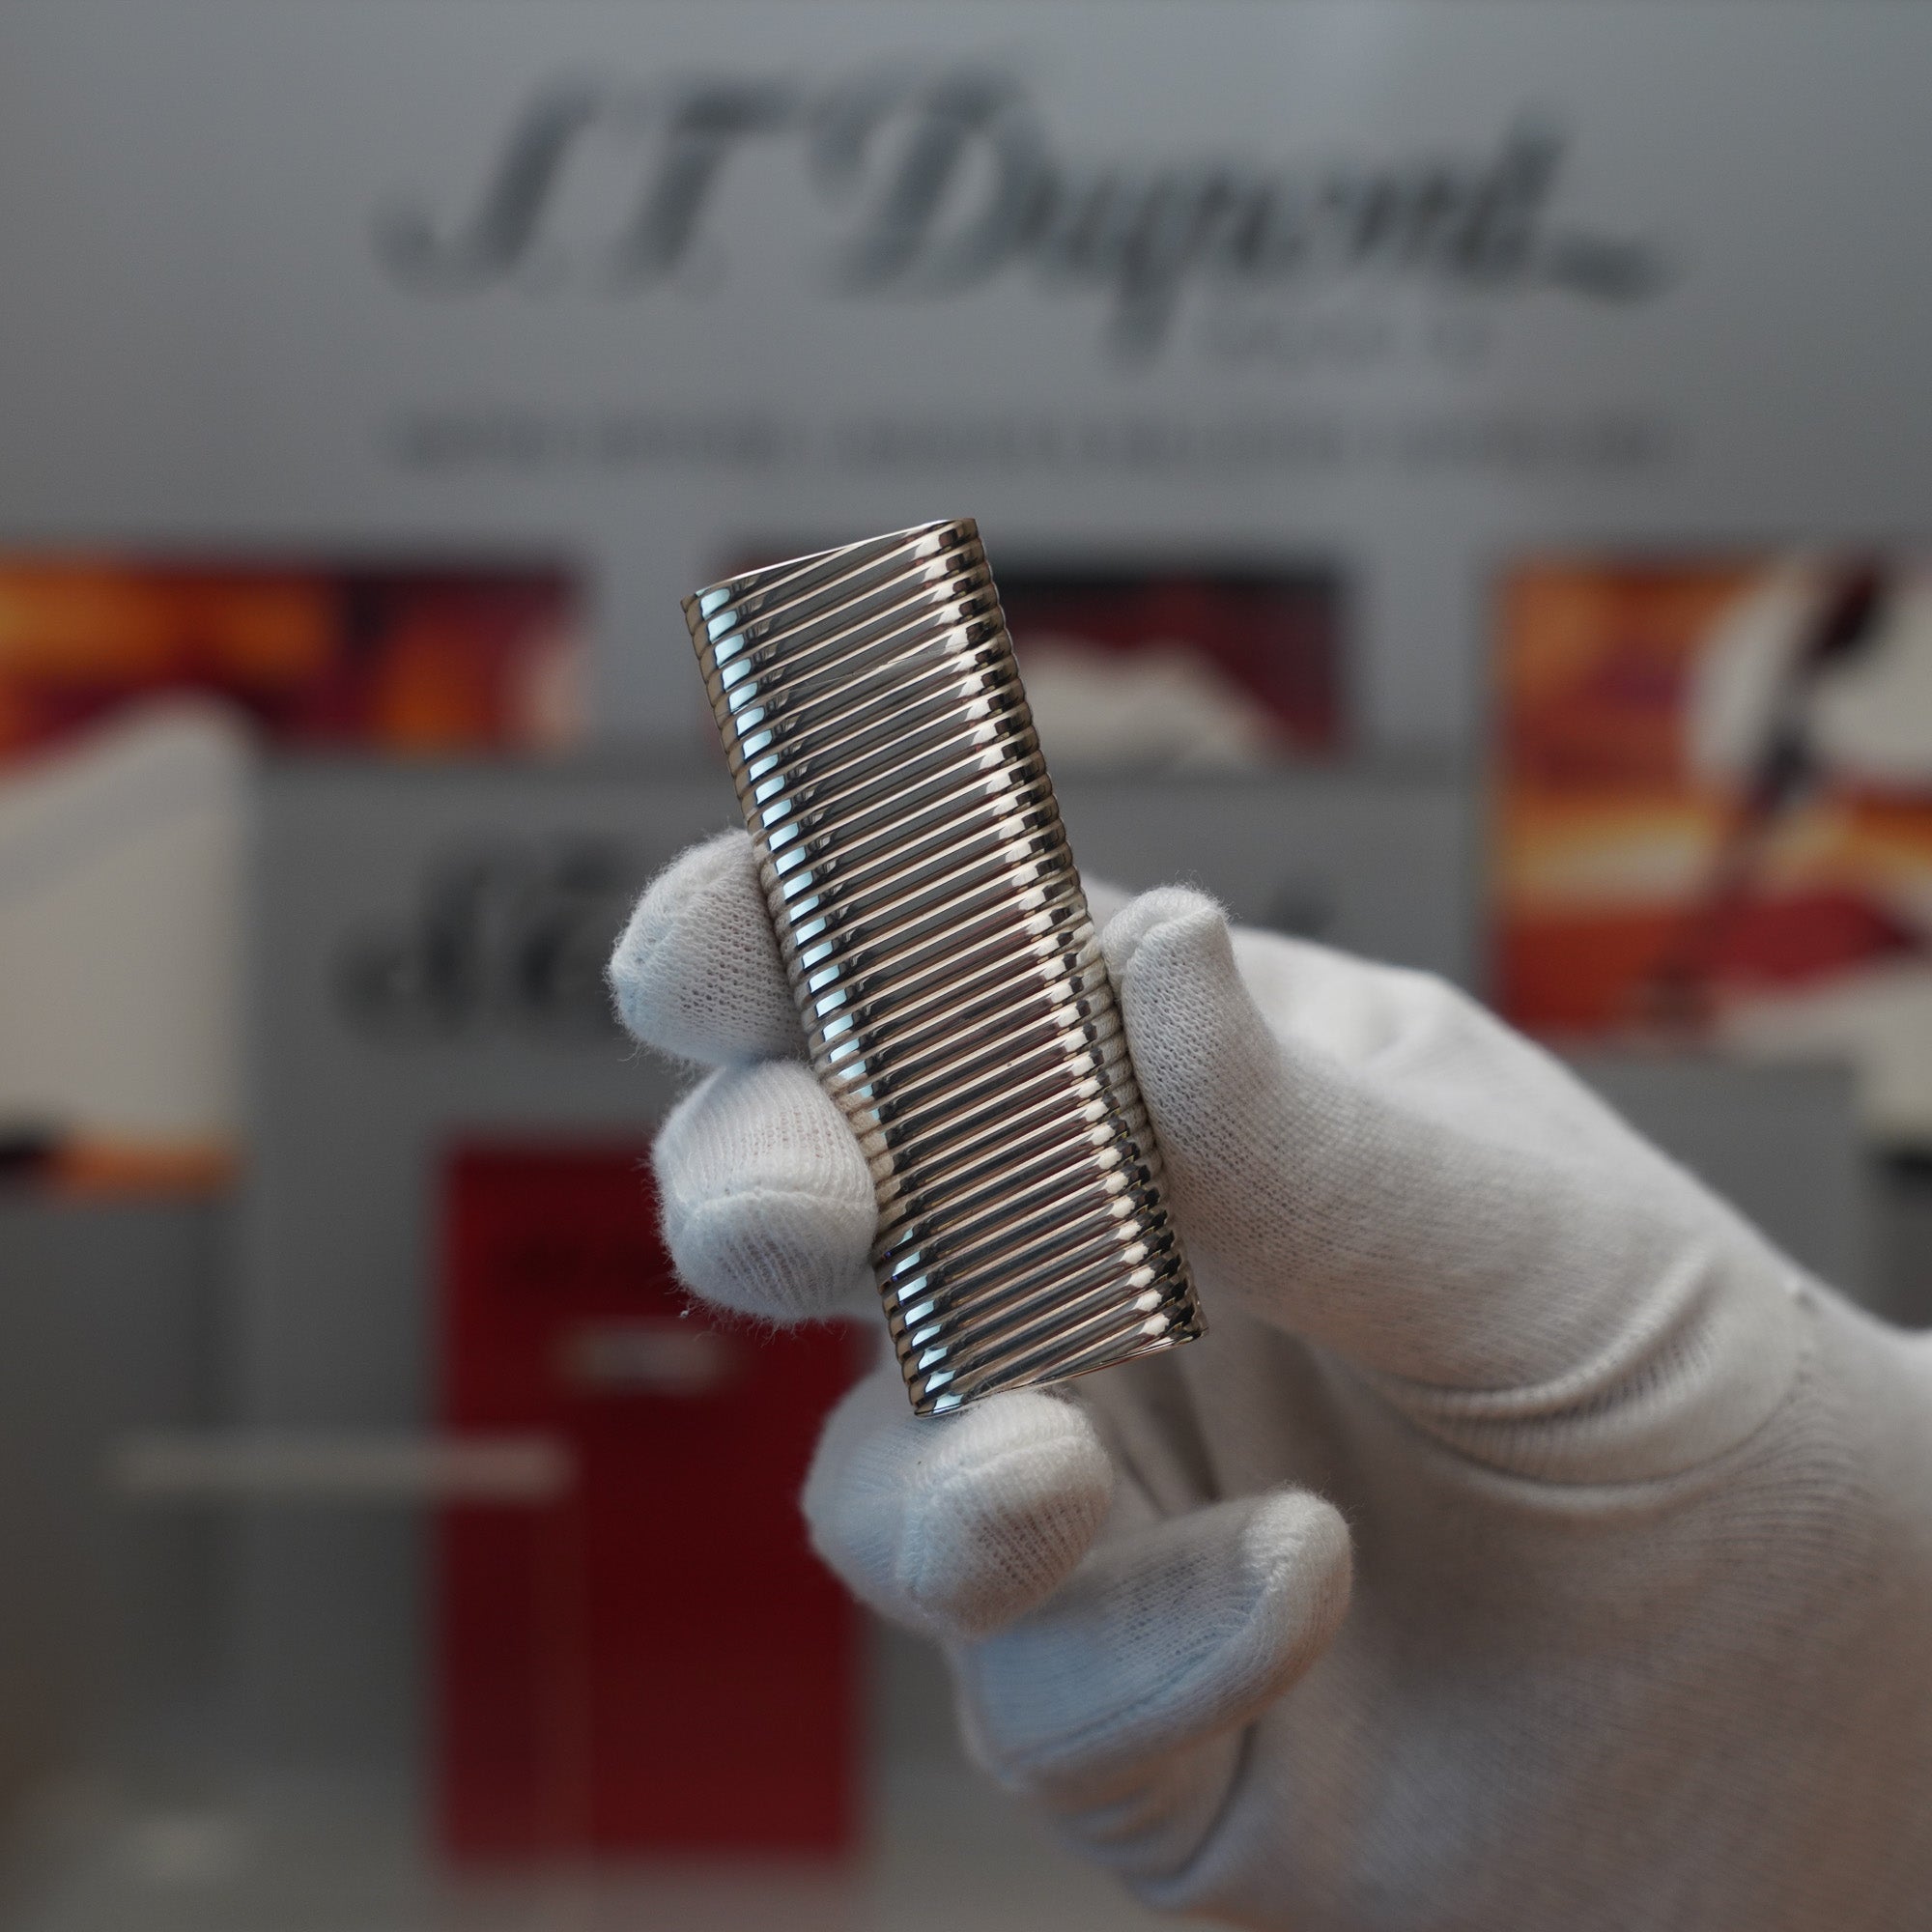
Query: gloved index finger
pixel 697 973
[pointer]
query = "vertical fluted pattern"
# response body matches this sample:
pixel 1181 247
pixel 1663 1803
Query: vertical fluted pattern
pixel 953 995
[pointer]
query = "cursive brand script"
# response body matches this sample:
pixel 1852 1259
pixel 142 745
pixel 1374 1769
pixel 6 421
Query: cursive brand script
pixel 503 935
pixel 935 183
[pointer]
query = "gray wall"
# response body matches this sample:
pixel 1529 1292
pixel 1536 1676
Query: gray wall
pixel 111 1632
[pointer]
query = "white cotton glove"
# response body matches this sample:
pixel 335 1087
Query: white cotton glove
pixel 1527 1545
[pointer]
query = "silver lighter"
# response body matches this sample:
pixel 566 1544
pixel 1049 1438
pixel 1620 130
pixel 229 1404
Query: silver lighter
pixel 939 946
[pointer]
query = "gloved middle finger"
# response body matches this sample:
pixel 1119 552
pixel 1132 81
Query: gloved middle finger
pixel 768 1205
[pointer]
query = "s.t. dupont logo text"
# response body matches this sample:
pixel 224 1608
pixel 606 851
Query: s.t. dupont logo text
pixel 934 183
pixel 503 936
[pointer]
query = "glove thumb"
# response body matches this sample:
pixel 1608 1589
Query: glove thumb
pixel 1309 1188
pixel 1562 1304
pixel 1211 1073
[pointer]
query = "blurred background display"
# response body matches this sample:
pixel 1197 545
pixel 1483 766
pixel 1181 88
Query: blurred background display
pixel 134 699
pixel 1158 673
pixel 1456 473
pixel 409 661
pixel 1715 813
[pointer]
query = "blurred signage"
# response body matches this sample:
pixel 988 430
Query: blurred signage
pixel 1400 293
pixel 935 182
pixel 500 932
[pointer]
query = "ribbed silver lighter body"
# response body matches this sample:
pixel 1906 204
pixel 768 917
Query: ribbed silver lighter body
pixel 939 946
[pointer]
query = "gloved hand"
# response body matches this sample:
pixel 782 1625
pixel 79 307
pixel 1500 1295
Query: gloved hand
pixel 1528 1544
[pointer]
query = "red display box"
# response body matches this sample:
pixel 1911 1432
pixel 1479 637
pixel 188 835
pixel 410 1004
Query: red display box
pixel 652 1660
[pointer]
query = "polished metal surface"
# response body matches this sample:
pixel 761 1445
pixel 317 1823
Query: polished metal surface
pixel 938 943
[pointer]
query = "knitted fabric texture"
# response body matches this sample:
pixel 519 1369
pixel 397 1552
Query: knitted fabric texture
pixel 1529 1544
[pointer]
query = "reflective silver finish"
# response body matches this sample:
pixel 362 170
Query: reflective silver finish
pixel 940 949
